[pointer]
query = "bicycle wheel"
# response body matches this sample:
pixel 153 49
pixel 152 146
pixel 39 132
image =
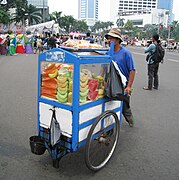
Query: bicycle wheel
pixel 102 140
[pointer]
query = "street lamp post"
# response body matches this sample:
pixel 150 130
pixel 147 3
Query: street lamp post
pixel 43 11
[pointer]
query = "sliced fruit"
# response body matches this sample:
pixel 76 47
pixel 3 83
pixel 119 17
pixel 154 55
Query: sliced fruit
pixel 100 91
pixel 63 88
pixel 61 79
pixel 70 97
pixel 49 95
pixel 100 96
pixel 83 89
pixel 82 94
pixel 48 90
pixel 93 84
pixel 82 99
pixel 92 95
pixel 61 100
pixel 49 85
pixel 70 86
pixel 53 74
pixel 62 85
pixel 49 80
pixel 83 78
pixel 63 91
pixel 62 96
pixel 46 72
pixel 83 84
pixel 49 67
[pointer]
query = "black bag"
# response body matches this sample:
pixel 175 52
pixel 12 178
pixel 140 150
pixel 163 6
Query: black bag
pixel 160 53
pixel 114 87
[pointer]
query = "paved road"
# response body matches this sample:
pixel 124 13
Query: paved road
pixel 148 151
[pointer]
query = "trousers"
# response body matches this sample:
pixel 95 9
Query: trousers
pixel 153 75
pixel 126 110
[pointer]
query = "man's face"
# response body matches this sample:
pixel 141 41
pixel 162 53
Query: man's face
pixel 113 39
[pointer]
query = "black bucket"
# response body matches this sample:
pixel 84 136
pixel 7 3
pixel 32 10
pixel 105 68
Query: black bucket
pixel 37 145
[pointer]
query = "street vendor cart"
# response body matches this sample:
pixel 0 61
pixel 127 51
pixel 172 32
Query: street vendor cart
pixel 72 109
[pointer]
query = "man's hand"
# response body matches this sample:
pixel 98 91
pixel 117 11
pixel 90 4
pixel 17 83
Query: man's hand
pixel 128 90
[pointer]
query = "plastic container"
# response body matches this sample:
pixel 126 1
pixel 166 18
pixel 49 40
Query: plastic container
pixel 37 145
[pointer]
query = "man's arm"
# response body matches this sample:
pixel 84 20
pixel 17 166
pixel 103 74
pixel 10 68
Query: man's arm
pixel 130 82
pixel 150 48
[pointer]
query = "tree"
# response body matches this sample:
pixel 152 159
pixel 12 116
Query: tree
pixel 67 23
pixel 120 22
pixel 56 16
pixel 25 11
pixel 80 26
pixel 4 16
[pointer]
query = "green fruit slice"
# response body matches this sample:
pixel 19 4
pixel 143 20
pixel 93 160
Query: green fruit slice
pixel 83 84
pixel 62 91
pixel 62 96
pixel 82 99
pixel 61 100
pixel 85 93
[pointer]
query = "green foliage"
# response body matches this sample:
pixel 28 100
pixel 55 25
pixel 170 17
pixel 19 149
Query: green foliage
pixel 4 16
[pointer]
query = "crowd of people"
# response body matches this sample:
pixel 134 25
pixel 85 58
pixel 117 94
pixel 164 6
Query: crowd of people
pixel 122 57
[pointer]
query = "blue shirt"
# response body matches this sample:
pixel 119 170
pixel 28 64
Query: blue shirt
pixel 151 49
pixel 124 60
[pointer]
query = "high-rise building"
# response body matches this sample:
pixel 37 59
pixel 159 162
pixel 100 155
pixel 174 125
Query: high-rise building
pixel 137 5
pixel 42 5
pixel 88 11
pixel 168 5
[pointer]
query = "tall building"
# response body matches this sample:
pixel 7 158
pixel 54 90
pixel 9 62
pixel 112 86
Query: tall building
pixel 137 5
pixel 143 12
pixel 168 5
pixel 88 11
pixel 42 5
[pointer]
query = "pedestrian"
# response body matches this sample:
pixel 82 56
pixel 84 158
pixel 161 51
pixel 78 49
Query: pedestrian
pixel 39 45
pixel 89 38
pixel 8 44
pixel 125 62
pixel 152 66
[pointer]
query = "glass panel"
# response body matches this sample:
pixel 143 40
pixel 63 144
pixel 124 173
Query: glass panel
pixel 56 81
pixel 92 81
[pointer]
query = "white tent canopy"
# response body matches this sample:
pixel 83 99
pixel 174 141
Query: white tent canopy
pixel 40 27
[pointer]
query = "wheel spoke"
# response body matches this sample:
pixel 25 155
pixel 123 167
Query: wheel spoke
pixel 101 142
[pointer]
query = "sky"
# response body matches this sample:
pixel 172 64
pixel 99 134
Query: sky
pixel 70 7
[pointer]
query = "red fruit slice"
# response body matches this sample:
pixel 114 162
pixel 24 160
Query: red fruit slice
pixel 48 90
pixel 49 95
pixel 93 84
pixel 92 95
pixel 49 85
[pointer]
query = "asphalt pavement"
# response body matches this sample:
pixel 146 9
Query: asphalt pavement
pixel 148 151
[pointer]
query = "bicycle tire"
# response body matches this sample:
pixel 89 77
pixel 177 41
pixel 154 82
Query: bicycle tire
pixel 115 131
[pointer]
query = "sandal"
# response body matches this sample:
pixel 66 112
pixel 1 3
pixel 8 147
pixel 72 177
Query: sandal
pixel 131 121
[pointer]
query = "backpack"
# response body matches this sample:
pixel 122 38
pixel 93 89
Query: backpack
pixel 159 54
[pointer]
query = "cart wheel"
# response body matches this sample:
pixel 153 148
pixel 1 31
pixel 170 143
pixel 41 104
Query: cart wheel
pixel 56 163
pixel 102 140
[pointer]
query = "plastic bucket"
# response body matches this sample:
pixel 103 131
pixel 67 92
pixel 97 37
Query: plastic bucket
pixel 37 145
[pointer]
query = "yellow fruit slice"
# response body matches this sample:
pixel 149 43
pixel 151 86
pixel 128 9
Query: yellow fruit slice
pixel 62 85
pixel 82 89
pixel 61 79
pixel 63 88
pixel 83 78
pixel 70 86
pixel 53 74
pixel 83 84
pixel 100 91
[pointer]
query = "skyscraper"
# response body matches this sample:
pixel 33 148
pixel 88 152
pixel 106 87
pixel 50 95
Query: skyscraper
pixel 42 5
pixel 168 5
pixel 88 11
